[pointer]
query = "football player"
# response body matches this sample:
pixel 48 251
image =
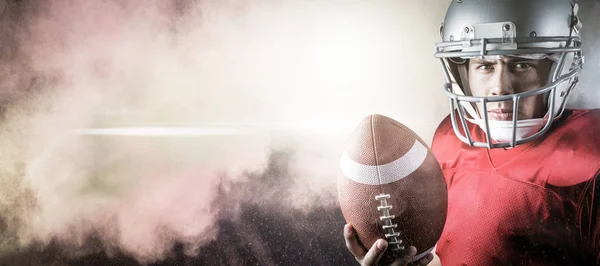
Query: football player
pixel 521 169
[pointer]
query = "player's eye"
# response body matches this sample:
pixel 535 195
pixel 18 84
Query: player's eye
pixel 485 67
pixel 521 66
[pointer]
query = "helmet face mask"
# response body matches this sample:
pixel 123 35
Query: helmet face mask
pixel 540 29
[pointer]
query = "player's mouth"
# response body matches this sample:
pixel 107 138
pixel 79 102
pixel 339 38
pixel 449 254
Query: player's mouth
pixel 500 114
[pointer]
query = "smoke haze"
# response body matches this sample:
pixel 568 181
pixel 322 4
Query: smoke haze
pixel 321 67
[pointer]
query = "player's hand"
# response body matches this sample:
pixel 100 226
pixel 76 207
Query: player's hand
pixel 372 256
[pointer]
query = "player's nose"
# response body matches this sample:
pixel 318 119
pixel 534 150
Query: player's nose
pixel 501 83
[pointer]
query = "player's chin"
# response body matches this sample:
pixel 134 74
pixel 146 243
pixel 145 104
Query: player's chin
pixel 507 116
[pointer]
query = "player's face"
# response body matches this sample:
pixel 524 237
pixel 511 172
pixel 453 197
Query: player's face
pixel 496 76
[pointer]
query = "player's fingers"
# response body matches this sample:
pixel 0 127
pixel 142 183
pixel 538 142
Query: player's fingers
pixel 375 253
pixel 352 242
pixel 406 259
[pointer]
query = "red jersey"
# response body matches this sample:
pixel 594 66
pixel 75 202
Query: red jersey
pixel 535 204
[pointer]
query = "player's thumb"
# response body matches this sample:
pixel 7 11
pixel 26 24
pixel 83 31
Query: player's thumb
pixel 375 253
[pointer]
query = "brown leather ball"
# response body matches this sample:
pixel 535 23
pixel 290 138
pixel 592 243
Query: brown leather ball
pixel 391 186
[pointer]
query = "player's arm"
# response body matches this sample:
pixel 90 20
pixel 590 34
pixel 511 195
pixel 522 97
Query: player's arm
pixel 373 255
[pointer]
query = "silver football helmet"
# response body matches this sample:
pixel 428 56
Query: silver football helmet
pixel 532 29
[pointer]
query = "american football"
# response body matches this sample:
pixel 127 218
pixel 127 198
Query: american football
pixel 391 186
